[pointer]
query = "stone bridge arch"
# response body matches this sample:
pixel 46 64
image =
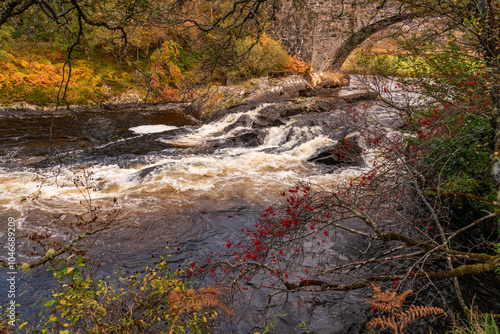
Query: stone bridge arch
pixel 325 32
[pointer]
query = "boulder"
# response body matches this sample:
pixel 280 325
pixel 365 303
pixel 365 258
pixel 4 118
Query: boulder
pixel 248 95
pixel 282 74
pixel 248 137
pixel 141 174
pixel 264 121
pixel 326 156
pixel 308 92
pixel 356 97
pixel 347 151
pixel 244 121
pixel 301 106
pixel 329 80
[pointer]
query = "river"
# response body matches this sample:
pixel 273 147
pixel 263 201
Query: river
pixel 176 183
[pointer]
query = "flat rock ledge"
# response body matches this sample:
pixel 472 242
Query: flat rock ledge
pixel 277 88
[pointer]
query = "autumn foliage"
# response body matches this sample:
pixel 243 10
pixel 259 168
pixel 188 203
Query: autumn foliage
pixel 165 74
pixel 397 319
pixel 35 77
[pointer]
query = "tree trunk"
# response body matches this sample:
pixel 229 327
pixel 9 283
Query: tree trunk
pixel 11 8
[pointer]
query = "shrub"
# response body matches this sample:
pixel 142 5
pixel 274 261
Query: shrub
pixel 254 59
pixel 165 73
pixel 154 301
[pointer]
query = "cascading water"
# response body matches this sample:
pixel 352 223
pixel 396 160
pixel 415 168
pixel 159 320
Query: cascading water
pixel 187 168
pixel 176 183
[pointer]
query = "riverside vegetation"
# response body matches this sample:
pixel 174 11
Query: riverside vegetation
pixel 427 205
pixel 32 70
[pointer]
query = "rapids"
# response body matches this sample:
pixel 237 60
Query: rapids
pixel 176 182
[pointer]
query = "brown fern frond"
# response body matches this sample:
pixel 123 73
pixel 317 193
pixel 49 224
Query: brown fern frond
pixel 400 300
pixel 416 312
pixel 383 307
pixel 191 300
pixel 376 289
pixel 391 303
pixel 384 323
pixel 387 302
pixel 209 299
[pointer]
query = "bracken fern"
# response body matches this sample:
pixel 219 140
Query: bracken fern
pixel 391 304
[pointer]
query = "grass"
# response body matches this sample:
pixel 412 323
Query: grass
pixel 363 62
pixel 477 323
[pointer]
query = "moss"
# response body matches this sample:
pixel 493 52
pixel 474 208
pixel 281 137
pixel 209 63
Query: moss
pixel 50 253
pixel 236 98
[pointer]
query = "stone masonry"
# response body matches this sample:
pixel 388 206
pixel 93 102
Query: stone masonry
pixel 314 30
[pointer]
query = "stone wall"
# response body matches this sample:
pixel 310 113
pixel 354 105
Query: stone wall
pixel 315 30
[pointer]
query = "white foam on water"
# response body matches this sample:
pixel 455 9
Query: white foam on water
pixel 145 129
pixel 251 168
pixel 253 173
pixel 207 130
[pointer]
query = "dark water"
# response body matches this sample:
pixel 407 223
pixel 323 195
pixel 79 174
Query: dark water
pixel 189 187
pixel 25 139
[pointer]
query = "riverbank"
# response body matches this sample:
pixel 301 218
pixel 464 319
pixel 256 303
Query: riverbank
pixel 32 74
pixel 211 103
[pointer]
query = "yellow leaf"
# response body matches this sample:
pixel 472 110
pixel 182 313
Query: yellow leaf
pixel 70 269
pixel 204 319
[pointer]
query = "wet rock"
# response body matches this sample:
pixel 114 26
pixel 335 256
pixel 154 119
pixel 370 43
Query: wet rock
pixel 144 172
pixel 282 74
pixel 265 121
pixel 327 156
pixel 244 121
pixel 249 138
pixel 248 95
pixel 329 80
pixel 324 121
pixel 299 107
pixel 364 96
pixel 347 151
pixel 308 92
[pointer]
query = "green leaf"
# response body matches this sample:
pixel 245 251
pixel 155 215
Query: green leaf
pixel 50 303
